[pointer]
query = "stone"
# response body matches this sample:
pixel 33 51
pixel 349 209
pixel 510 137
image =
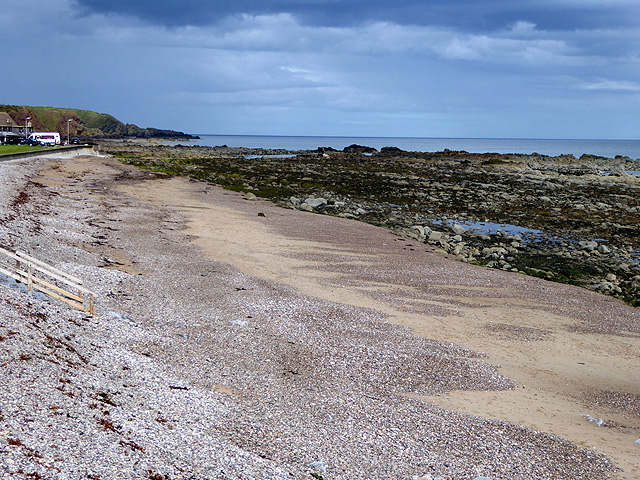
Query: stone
pixel 419 229
pixel 435 236
pixel 604 249
pixel 496 252
pixel 588 246
pixel 513 238
pixel 359 149
pixel 316 202
pixel 458 229
pixel 318 466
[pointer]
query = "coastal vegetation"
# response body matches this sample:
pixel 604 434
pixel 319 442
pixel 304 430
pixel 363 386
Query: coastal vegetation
pixel 565 219
pixel 81 123
pixel 10 149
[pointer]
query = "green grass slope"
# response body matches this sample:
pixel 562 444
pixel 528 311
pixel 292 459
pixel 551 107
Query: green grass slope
pixel 84 123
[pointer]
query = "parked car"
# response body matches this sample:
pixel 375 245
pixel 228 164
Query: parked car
pixel 11 140
pixel 75 141
pixel 29 141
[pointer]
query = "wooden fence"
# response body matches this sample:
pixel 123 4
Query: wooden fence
pixel 56 283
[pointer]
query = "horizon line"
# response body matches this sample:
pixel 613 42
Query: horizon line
pixel 417 138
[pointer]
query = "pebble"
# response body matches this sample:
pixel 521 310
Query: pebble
pixel 170 385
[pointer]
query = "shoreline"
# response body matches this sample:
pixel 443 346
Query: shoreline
pixel 522 146
pixel 567 220
pixel 338 283
pixel 509 347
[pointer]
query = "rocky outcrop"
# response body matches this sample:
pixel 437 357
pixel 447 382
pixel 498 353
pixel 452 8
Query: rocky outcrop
pixel 564 219
pixel 359 149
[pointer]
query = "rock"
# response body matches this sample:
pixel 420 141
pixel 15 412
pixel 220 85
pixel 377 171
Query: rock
pixel 417 232
pixel 319 467
pixel 494 252
pixel 294 201
pixel 456 238
pixel 435 236
pixel 588 246
pixel 361 211
pixel 392 152
pixel 419 229
pixel 305 207
pixel 458 229
pixel 414 233
pixel 459 249
pixel 316 202
pixel 250 196
pixel 359 149
pixel 604 249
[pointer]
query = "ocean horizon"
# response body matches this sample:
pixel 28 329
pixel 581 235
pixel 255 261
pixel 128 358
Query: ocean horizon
pixel 551 147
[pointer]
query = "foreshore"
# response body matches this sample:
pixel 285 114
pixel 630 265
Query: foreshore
pixel 234 338
pixel 561 218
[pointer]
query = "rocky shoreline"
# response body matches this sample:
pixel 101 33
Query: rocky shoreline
pixel 565 219
pixel 234 339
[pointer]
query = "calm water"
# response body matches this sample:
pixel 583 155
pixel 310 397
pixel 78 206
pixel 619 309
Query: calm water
pixel 605 148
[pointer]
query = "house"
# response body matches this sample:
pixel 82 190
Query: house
pixel 9 128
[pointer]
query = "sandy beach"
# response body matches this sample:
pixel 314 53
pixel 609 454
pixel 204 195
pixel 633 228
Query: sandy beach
pixel 323 346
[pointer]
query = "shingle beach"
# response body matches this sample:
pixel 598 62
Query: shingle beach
pixel 234 339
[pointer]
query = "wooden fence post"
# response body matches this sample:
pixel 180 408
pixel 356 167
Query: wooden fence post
pixel 34 280
pixel 30 278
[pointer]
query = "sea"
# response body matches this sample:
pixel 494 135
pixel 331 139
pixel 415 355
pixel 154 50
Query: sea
pixel 527 146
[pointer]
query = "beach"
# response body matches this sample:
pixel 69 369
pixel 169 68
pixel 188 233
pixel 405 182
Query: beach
pixel 237 339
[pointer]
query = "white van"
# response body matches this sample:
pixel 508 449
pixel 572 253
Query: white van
pixel 46 138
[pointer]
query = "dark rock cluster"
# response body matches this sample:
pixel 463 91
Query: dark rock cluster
pixel 561 218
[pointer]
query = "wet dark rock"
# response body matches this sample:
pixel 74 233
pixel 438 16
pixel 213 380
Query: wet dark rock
pixel 582 215
pixel 392 152
pixel 359 149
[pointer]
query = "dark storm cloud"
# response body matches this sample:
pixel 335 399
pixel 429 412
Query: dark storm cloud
pixel 535 68
pixel 473 16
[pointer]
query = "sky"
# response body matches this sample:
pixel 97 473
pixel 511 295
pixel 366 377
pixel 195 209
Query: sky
pixel 401 68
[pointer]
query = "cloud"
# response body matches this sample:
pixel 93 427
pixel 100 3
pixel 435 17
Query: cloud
pixel 471 62
pixel 523 28
pixel 613 85
pixel 471 15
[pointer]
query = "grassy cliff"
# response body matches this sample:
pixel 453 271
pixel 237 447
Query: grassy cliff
pixel 84 123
